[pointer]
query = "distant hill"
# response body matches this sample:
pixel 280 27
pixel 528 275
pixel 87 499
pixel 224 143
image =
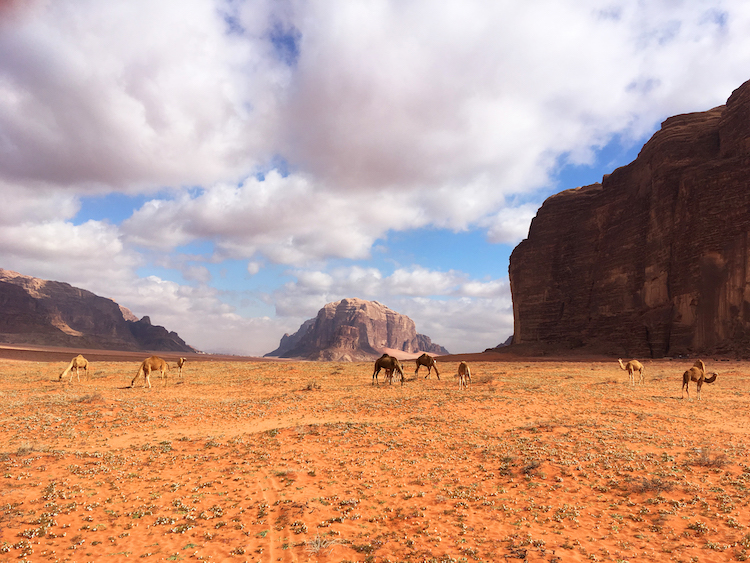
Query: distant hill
pixel 354 330
pixel 49 313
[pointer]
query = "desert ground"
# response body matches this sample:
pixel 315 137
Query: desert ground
pixel 538 460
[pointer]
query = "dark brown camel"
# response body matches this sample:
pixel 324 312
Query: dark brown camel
pixel 430 362
pixel 389 364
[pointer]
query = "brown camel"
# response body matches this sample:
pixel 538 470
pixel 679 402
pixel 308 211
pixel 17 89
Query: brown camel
pixel 696 373
pixel 389 364
pixel 180 363
pixel 464 375
pixel 631 367
pixel 430 362
pixel 78 363
pixel 154 363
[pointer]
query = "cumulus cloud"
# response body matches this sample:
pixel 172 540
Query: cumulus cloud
pixel 292 132
pixel 83 103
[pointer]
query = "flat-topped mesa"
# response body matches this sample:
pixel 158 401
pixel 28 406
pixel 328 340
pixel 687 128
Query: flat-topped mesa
pixel 354 330
pixel 652 261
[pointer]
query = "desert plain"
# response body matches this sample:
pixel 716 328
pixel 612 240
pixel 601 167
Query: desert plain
pixel 538 460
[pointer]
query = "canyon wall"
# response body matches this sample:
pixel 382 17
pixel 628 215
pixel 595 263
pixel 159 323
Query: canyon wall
pixel 655 260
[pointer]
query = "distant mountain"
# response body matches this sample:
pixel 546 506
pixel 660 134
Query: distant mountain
pixel 354 330
pixel 49 313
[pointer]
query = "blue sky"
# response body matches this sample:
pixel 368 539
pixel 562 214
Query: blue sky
pixel 244 163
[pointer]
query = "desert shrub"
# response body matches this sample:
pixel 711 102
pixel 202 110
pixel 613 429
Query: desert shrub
pixel 89 398
pixel 705 459
pixel 319 543
pixel 646 485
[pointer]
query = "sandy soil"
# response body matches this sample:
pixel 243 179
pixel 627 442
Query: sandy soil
pixel 300 461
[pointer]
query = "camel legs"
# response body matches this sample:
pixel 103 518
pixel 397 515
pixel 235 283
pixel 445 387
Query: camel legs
pixel 146 374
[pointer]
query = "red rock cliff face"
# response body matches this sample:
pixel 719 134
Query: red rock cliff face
pixel 50 313
pixel 653 261
pixel 354 330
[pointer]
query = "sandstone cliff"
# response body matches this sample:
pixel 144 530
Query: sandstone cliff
pixel 653 261
pixel 354 330
pixel 49 313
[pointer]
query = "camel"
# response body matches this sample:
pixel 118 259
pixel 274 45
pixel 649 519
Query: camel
pixel 464 375
pixel 696 373
pixel 389 364
pixel 430 362
pixel 180 363
pixel 154 363
pixel 78 363
pixel 631 367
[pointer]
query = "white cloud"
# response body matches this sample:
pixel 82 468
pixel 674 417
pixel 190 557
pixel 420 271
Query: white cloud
pixel 387 115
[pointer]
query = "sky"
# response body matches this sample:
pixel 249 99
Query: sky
pixel 228 167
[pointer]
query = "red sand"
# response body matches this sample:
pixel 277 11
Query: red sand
pixel 302 461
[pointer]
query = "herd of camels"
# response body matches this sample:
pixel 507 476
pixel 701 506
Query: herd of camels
pixel 696 373
pixel 148 366
pixel 391 365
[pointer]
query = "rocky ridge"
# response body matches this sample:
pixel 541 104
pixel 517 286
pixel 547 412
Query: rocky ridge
pixel 354 330
pixel 652 261
pixel 49 313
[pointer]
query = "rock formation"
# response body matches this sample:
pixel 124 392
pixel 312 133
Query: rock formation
pixel 354 330
pixel 50 313
pixel 653 261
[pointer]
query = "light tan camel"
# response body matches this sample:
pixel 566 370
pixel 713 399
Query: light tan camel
pixel 696 373
pixel 631 367
pixel 430 362
pixel 154 363
pixel 180 364
pixel 464 375
pixel 78 363
pixel 389 364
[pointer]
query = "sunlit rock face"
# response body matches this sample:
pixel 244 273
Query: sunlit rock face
pixel 51 313
pixel 655 260
pixel 354 330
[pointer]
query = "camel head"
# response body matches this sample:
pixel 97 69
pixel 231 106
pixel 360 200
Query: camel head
pixel 712 378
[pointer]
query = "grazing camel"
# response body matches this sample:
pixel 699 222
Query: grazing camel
pixel 389 364
pixel 464 375
pixel 430 362
pixel 180 363
pixel 696 373
pixel 631 367
pixel 78 363
pixel 154 363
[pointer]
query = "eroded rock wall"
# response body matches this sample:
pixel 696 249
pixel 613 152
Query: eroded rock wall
pixel 655 260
